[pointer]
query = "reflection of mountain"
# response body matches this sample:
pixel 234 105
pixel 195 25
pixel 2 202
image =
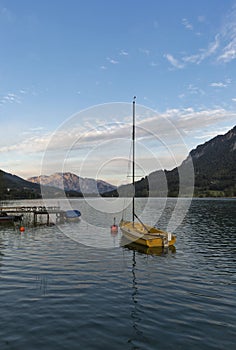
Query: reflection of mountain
pixel 214 167
pixel 72 182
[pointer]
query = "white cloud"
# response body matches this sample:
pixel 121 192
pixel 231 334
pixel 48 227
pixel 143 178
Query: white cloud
pixel 187 24
pixel 173 61
pixel 10 98
pixel 228 35
pixel 218 84
pixel 112 61
pixel 221 84
pixel 192 120
pixel 203 53
pixel 194 90
pixel 209 135
pixel 234 99
pixel 76 142
pixel 87 135
pixel 36 130
pixel 223 45
pixel 229 52
pixel 123 53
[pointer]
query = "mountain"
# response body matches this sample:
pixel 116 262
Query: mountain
pixel 214 165
pixel 12 186
pixel 72 182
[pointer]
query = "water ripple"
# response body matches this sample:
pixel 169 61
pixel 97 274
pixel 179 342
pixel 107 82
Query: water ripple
pixel 58 294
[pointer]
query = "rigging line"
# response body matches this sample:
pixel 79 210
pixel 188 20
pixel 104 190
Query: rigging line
pixel 144 226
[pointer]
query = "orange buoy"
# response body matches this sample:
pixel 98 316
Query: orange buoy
pixel 114 227
pixel 22 229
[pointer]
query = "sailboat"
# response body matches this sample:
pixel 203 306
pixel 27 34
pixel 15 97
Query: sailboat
pixel 137 231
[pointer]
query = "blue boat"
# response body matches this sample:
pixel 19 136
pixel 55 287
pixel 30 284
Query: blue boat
pixel 72 215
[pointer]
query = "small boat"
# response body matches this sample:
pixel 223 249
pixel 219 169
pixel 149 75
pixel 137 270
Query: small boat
pixel 145 235
pixel 72 215
pixel 4 217
pixel 136 231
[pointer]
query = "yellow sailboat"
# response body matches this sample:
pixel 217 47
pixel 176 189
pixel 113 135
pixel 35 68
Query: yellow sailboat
pixel 137 231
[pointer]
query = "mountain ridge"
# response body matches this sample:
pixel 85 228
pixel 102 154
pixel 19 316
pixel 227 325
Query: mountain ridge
pixel 214 165
pixel 72 182
pixel 214 168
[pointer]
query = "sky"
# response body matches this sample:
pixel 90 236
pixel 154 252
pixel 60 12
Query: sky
pixel 69 71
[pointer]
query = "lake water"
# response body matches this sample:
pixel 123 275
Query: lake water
pixel 60 288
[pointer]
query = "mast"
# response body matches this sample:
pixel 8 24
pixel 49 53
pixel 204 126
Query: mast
pixel 133 160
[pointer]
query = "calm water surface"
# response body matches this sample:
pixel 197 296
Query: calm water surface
pixel 56 293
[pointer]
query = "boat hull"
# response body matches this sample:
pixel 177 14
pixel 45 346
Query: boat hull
pixel 146 250
pixel 145 235
pixel 72 215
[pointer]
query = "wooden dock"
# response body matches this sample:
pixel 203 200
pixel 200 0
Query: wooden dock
pixel 36 211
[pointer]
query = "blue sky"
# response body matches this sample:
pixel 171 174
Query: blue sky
pixel 62 57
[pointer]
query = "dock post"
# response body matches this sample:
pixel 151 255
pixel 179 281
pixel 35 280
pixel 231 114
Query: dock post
pixel 35 218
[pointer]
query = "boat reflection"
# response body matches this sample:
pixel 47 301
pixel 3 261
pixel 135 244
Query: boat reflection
pixel 146 250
